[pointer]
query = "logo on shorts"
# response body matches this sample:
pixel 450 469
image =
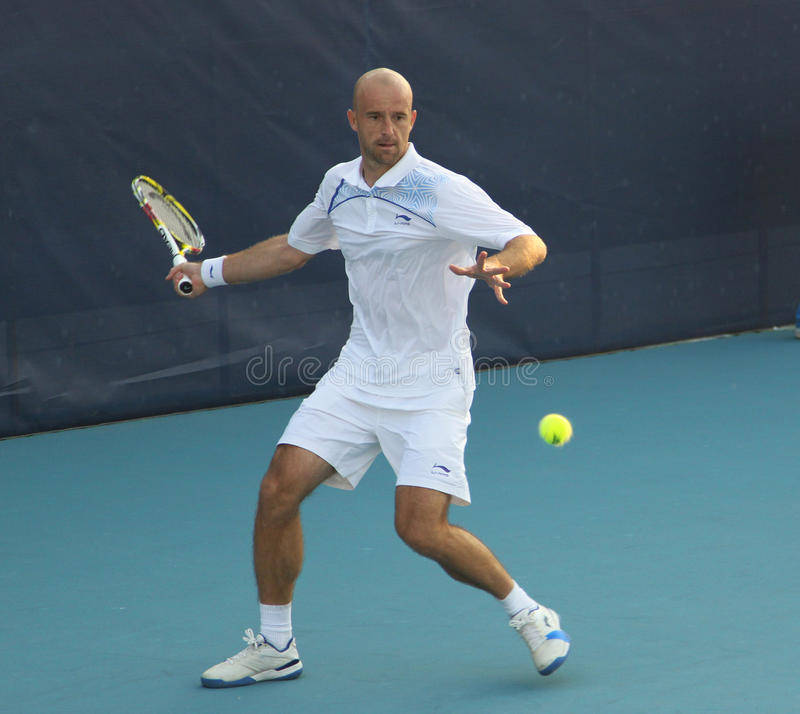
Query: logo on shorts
pixel 401 219
pixel 440 470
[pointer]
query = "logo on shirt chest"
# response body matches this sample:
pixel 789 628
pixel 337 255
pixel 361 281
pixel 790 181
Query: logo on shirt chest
pixel 401 219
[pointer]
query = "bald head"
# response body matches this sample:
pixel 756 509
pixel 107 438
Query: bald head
pixel 383 117
pixel 381 78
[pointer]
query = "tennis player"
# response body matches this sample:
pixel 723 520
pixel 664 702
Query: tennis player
pixel 409 231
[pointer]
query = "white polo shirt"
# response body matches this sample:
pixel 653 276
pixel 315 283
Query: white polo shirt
pixel 409 337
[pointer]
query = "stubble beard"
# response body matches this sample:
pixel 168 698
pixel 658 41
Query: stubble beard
pixel 379 158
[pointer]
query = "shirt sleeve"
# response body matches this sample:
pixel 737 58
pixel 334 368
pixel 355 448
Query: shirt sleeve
pixel 312 230
pixel 466 214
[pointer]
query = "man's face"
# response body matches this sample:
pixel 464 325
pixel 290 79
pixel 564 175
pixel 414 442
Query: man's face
pixel 383 119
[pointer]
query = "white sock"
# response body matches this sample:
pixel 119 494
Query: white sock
pixel 276 624
pixel 517 600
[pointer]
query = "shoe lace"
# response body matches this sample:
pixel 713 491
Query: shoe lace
pixel 529 627
pixel 253 643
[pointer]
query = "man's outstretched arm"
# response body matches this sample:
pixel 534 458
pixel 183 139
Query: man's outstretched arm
pixel 267 259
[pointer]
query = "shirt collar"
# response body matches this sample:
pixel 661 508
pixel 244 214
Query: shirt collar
pixel 354 177
pixel 403 167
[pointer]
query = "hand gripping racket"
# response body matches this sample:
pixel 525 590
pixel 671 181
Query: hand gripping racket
pixel 173 222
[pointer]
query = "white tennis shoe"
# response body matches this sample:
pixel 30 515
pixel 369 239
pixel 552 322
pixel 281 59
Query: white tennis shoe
pixel 540 628
pixel 258 662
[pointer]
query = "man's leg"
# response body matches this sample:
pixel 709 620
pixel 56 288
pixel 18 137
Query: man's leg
pixel 421 521
pixel 277 535
pixel 278 556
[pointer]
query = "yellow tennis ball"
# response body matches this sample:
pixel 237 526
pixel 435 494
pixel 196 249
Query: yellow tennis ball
pixel 555 429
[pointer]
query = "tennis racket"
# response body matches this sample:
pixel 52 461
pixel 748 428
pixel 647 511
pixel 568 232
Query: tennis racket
pixel 173 222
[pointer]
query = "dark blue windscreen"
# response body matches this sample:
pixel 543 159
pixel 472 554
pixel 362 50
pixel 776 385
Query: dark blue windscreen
pixel 652 145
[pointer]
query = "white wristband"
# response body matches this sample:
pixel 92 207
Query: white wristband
pixel 211 272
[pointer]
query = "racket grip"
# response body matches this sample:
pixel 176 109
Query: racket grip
pixel 184 284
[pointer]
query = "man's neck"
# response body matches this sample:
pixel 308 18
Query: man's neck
pixel 371 171
pixel 371 175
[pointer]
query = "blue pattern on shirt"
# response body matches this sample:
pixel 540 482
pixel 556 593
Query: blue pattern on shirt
pixel 416 192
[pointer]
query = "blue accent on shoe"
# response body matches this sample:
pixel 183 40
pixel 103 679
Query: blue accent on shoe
pixel 553 666
pixel 291 675
pixel 558 635
pixel 288 644
pixel 292 663
pixel 221 683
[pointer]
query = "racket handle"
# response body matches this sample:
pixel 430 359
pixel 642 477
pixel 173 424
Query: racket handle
pixel 184 284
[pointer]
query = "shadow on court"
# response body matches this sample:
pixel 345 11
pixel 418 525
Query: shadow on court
pixel 665 534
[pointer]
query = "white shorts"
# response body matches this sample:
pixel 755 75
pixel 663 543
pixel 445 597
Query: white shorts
pixel 425 447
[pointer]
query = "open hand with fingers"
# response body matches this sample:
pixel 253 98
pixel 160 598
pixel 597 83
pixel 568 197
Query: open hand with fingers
pixel 492 275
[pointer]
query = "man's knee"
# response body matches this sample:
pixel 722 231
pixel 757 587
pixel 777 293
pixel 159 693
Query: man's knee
pixel 284 486
pixel 276 502
pixel 276 486
pixel 292 475
pixel 421 518
pixel 420 535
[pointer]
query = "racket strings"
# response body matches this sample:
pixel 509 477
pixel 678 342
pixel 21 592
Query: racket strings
pixel 182 228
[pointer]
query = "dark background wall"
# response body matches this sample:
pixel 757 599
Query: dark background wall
pixel 652 144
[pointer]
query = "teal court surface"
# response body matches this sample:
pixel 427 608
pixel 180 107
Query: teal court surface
pixel 666 534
